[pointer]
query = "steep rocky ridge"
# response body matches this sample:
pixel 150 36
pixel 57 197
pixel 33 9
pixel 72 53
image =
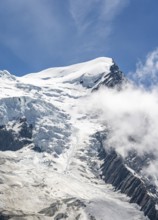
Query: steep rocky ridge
pixel 115 78
pixel 116 172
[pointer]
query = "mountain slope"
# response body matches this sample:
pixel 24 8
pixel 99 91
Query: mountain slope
pixel 50 162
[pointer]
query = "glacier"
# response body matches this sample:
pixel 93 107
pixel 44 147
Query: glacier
pixel 53 163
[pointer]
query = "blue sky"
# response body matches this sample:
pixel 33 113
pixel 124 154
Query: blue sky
pixel 38 34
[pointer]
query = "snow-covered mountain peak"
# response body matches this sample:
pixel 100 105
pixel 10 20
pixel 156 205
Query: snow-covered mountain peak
pixel 86 73
pixel 5 75
pixel 94 66
pixel 53 164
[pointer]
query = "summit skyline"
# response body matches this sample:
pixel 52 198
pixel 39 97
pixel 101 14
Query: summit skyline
pixel 36 35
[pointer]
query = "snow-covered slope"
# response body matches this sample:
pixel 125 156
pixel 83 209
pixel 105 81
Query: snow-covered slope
pixel 55 172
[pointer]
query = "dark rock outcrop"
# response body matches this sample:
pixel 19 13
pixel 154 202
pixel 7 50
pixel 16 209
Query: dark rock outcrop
pixel 15 135
pixel 114 78
pixel 4 217
pixel 66 205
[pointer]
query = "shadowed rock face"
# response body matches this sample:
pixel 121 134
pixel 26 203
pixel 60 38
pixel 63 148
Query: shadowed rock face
pixel 137 163
pixel 115 78
pixel 116 75
pixel 115 172
pixel 4 217
pixel 20 216
pixel 15 135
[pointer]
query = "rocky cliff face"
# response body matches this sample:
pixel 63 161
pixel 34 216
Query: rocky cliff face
pixel 116 172
pixel 114 78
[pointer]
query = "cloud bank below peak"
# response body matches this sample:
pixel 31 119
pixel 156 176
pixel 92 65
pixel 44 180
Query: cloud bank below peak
pixel 130 116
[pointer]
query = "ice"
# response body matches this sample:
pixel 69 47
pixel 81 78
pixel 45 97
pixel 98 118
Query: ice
pixel 32 181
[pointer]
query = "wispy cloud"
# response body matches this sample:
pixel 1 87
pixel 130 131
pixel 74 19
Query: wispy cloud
pixel 111 8
pixel 38 32
pixel 92 12
pixel 79 11
pixel 93 20
pixel 146 73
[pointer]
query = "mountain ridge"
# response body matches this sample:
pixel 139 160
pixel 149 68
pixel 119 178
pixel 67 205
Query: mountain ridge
pixel 54 174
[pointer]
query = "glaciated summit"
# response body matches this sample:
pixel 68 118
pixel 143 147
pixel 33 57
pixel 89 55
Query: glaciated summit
pixel 90 74
pixel 53 164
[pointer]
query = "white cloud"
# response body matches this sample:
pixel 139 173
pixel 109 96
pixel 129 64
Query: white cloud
pixel 151 171
pixel 147 73
pixel 131 115
pixel 131 112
